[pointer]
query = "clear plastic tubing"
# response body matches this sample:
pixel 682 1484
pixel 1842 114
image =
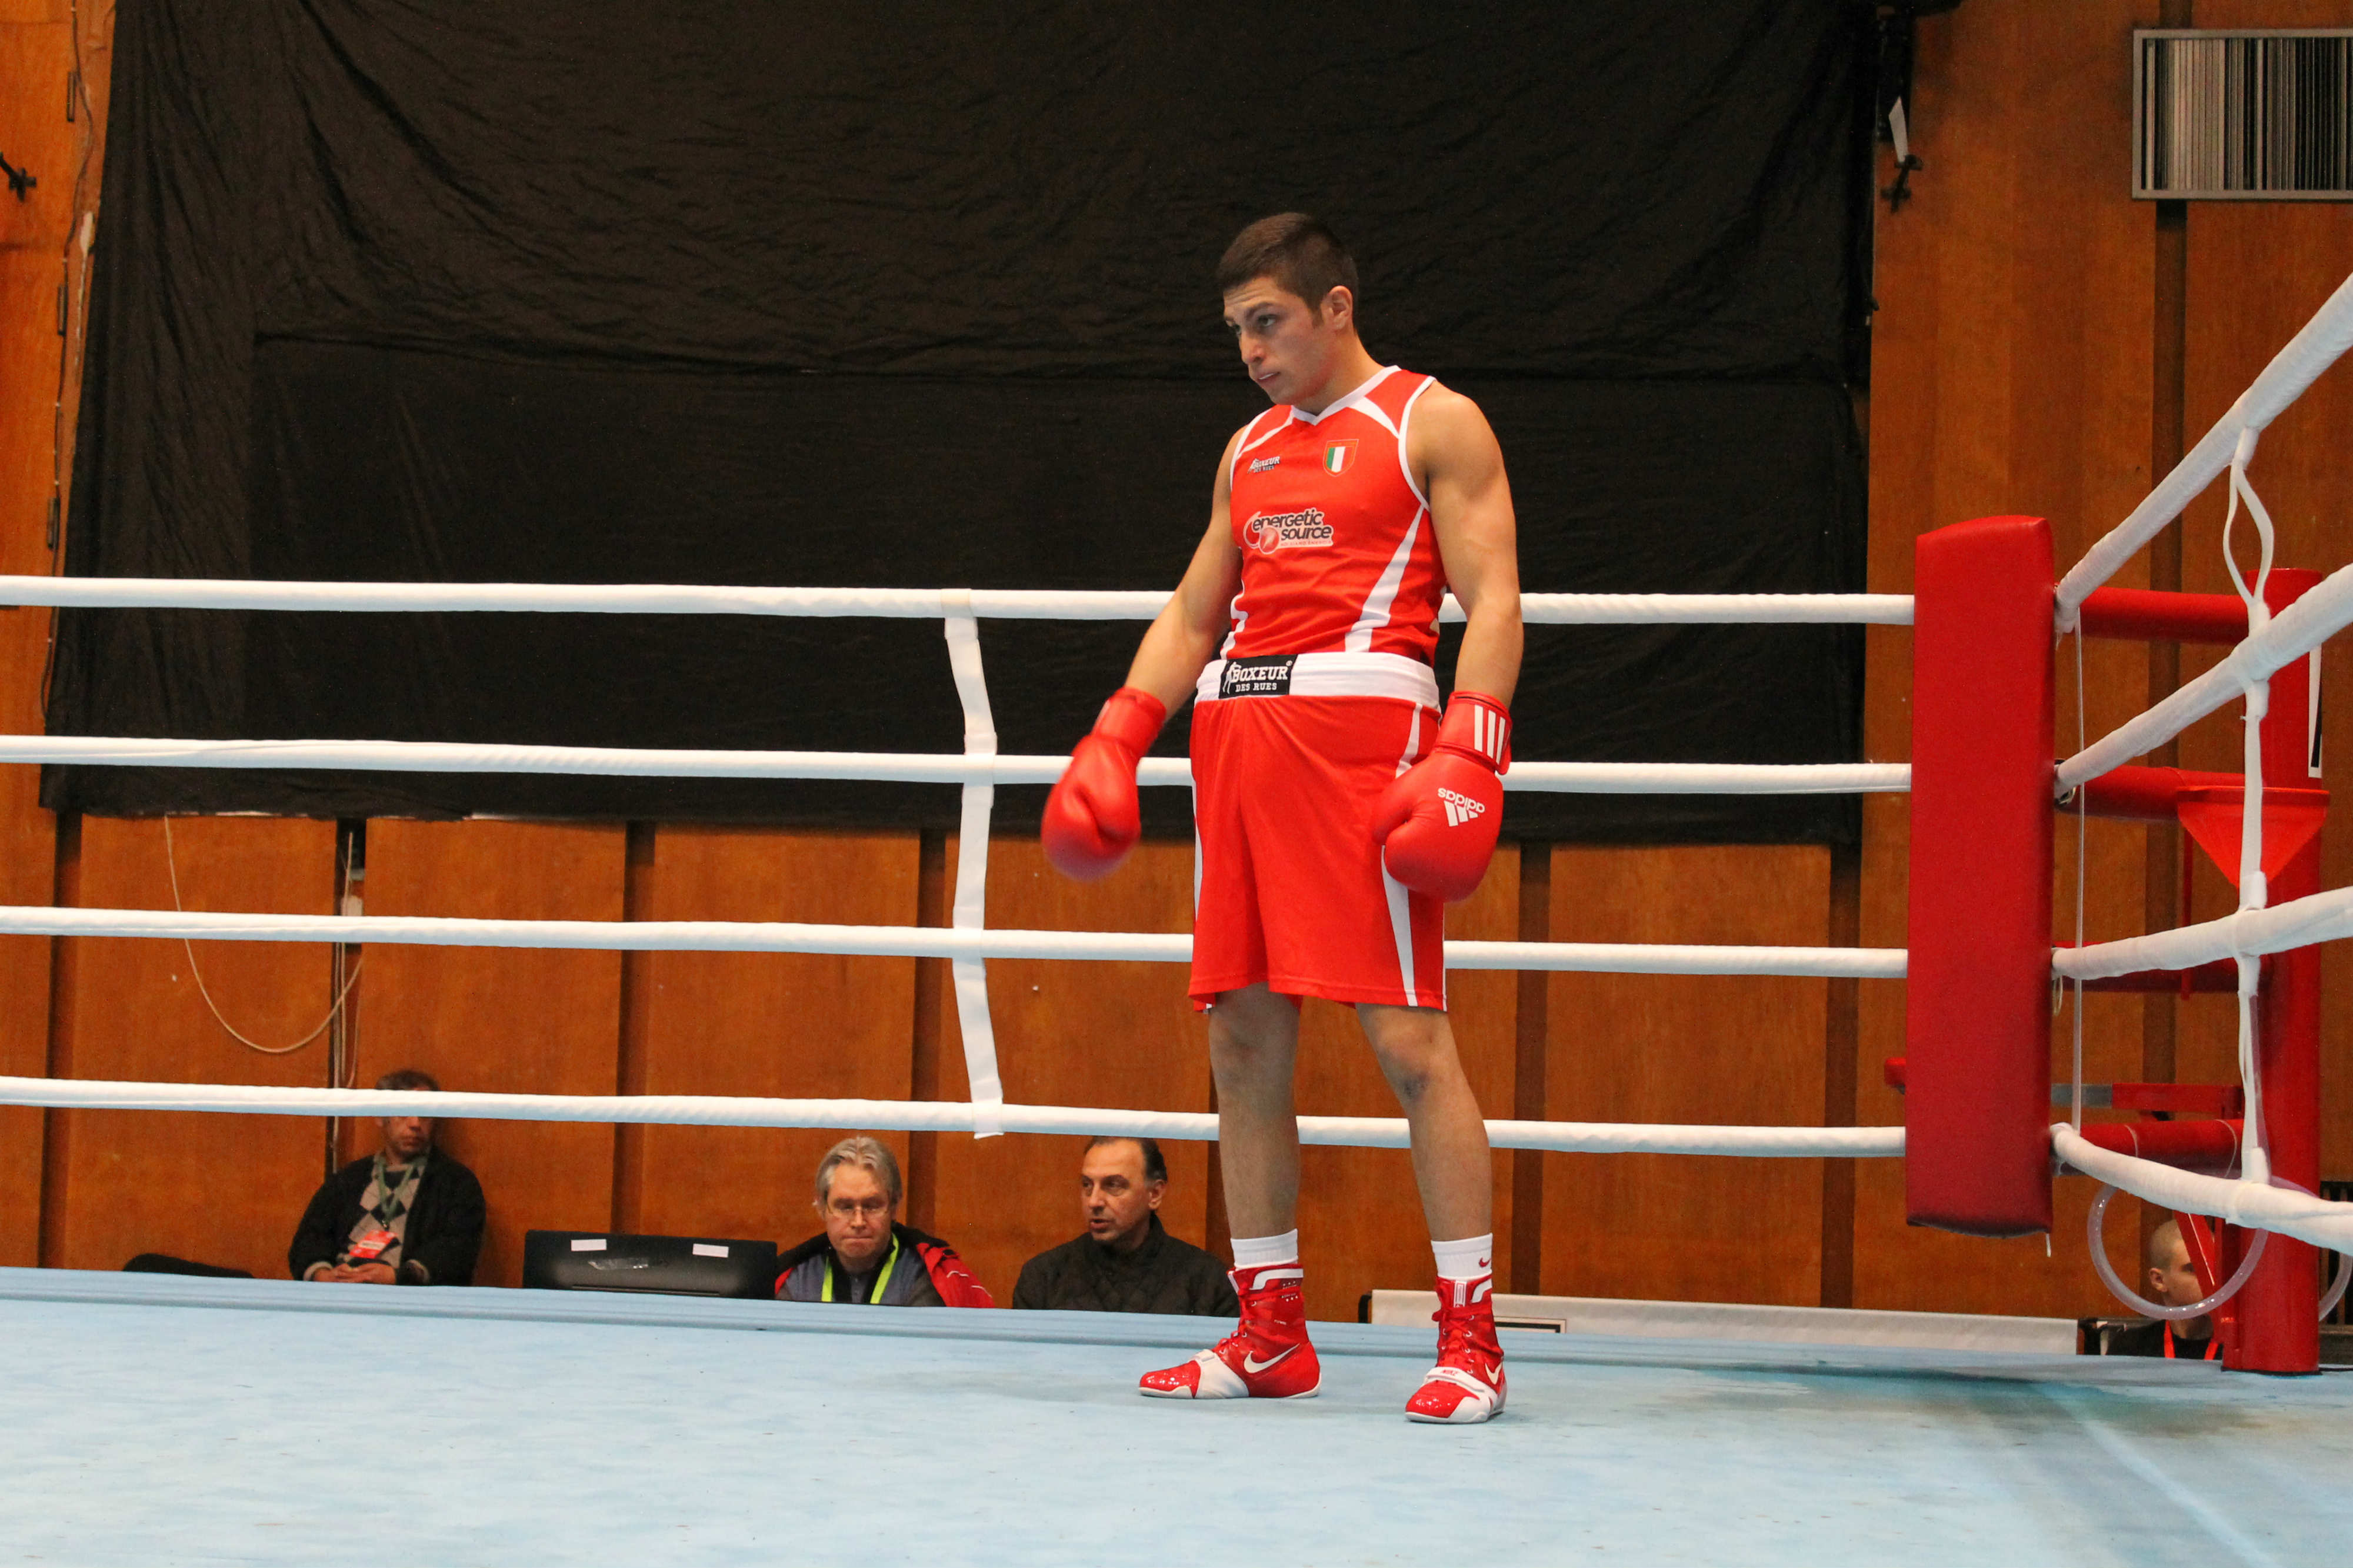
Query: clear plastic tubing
pixel 2098 1225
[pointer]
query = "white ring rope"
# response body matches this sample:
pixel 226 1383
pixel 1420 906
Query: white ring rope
pixel 966 942
pixel 2323 339
pixel 894 603
pixel 2294 633
pixel 2299 923
pixel 968 768
pixel 2255 1205
pixel 905 942
pixel 931 1116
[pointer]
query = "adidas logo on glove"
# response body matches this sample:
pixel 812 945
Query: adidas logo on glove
pixel 1460 808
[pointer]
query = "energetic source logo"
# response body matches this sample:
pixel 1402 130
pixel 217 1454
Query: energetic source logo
pixel 1460 808
pixel 1268 531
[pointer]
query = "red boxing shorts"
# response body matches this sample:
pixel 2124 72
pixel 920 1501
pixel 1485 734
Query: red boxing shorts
pixel 1291 755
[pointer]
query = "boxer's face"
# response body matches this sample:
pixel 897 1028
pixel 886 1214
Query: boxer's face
pixel 1287 346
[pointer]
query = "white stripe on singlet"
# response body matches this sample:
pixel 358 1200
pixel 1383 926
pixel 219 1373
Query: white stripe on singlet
pixel 1375 613
pixel 1246 443
pixel 1360 399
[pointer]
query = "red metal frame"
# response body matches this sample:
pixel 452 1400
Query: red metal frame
pixel 2150 614
pixel 2210 1146
pixel 2279 1310
pixel 2206 1261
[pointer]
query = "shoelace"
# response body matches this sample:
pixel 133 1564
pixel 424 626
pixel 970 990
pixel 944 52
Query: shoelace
pixel 1458 1337
pixel 1257 1328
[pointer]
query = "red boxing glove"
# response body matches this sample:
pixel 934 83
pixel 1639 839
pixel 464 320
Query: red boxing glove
pixel 1092 818
pixel 1437 823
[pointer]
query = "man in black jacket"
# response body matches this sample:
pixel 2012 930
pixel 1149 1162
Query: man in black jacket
pixel 1126 1262
pixel 405 1216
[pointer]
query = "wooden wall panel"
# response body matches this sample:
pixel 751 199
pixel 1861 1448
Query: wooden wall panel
pixel 2257 271
pixel 119 1182
pixel 502 1020
pixel 1675 1050
pixel 2012 371
pixel 1360 1220
pixel 28 876
pixel 1073 1034
pixel 762 1024
pixel 35 53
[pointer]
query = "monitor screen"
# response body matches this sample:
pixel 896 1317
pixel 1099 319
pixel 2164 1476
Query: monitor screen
pixel 657 1265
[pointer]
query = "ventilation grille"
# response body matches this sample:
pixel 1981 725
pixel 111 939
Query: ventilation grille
pixel 2243 116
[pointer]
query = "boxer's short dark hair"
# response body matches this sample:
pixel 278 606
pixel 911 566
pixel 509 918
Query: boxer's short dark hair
pixel 1300 252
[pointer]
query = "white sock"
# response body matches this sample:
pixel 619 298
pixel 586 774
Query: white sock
pixel 1472 1257
pixel 1265 1251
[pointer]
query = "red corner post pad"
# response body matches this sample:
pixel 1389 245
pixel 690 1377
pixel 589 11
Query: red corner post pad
pixel 1977 986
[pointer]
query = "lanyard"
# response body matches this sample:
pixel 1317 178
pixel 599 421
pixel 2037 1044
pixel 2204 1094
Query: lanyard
pixel 2212 1345
pixel 882 1279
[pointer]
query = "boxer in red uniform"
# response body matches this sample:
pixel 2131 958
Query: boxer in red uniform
pixel 1338 811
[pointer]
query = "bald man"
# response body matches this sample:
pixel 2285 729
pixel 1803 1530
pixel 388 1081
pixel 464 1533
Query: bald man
pixel 2168 1280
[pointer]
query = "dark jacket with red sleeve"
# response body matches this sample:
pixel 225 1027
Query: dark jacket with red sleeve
pixel 937 1278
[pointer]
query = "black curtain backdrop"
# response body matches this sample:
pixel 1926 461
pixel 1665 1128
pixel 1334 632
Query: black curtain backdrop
pixel 918 295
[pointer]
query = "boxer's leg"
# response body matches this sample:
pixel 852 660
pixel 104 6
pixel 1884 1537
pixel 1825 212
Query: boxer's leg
pixel 1253 1048
pixel 1253 1044
pixel 1450 1162
pixel 1415 1047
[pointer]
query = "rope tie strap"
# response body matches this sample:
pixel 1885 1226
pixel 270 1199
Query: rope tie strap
pixel 969 976
pixel 2254 891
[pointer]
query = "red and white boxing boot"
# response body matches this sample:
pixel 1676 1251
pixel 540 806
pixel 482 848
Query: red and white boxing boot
pixel 1467 1384
pixel 1268 1357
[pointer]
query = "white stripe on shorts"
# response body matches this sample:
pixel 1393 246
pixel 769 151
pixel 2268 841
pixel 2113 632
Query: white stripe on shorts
pixel 1400 912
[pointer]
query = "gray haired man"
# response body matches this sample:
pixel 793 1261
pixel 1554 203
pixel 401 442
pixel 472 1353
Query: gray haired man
pixel 864 1256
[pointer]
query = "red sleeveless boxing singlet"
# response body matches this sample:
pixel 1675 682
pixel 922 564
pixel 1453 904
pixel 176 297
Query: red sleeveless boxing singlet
pixel 1338 551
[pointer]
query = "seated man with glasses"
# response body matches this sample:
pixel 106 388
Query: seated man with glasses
pixel 865 1256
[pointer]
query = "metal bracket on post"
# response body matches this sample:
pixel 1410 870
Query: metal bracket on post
pixel 969 911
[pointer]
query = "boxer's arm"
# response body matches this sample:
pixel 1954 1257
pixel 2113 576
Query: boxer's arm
pixel 1462 469
pixel 1186 634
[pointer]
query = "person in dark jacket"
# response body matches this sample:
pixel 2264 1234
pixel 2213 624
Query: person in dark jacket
pixel 1127 1262
pixel 408 1215
pixel 864 1256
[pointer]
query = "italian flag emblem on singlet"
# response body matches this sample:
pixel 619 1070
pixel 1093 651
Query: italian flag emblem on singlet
pixel 1337 456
